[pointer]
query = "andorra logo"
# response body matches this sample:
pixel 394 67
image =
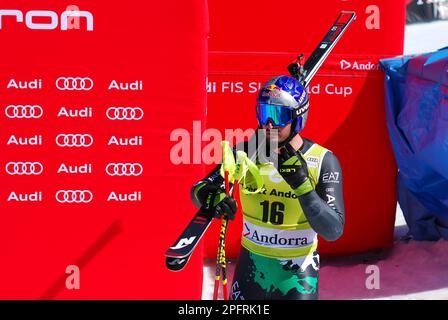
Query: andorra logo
pixel 345 65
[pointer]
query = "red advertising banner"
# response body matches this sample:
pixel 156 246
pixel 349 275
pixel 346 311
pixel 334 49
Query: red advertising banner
pixel 89 96
pixel 346 105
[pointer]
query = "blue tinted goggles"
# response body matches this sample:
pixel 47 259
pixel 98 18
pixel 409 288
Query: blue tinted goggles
pixel 279 116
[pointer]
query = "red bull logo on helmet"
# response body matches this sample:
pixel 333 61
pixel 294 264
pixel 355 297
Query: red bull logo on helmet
pixel 271 91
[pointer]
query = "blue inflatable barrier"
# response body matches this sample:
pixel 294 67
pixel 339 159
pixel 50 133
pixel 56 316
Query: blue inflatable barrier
pixel 416 90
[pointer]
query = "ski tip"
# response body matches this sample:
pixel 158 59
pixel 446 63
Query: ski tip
pixel 352 14
pixel 176 264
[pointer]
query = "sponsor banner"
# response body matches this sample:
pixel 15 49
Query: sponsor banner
pixel 358 64
pixel 277 238
pixel 274 64
pixel 88 98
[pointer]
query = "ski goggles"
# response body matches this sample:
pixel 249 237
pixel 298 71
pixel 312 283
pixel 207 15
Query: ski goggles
pixel 279 116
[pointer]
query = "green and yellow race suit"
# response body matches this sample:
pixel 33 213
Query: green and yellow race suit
pixel 279 258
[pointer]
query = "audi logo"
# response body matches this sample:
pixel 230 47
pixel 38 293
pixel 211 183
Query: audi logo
pixel 74 83
pixel 124 113
pixel 24 111
pixel 24 168
pixel 124 169
pixel 74 196
pixel 74 140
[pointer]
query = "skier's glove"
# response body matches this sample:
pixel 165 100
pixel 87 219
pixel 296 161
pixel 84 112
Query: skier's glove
pixel 214 199
pixel 292 167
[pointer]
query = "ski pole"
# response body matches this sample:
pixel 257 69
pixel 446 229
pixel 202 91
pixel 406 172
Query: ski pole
pixel 221 256
pixel 235 190
pixel 223 261
pixel 227 168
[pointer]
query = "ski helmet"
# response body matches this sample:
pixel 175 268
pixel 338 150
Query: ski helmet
pixel 283 100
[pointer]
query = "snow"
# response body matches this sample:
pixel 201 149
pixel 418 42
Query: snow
pixel 425 37
pixel 408 270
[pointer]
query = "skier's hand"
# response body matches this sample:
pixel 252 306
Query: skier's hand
pixel 292 167
pixel 218 202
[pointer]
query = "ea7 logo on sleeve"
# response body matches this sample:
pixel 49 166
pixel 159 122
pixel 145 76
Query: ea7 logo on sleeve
pixel 330 177
pixel 184 242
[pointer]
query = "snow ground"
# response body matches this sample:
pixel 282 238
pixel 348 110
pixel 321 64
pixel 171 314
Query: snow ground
pixel 410 269
pixel 425 37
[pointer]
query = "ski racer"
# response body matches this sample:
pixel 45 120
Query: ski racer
pixel 302 198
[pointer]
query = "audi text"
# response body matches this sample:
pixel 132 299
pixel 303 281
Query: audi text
pixel 25 141
pixel 34 84
pixel 77 113
pixel 134 141
pixel 73 169
pixel 132 86
pixel 25 197
pixel 125 197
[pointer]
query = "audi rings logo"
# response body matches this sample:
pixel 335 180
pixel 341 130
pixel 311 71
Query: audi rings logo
pixel 124 169
pixel 24 168
pixel 74 83
pixel 74 196
pixel 74 140
pixel 124 113
pixel 24 111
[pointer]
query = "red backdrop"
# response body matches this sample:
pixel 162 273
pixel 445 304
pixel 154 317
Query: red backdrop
pixel 118 246
pixel 347 101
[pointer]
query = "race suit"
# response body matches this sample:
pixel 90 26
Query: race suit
pixel 279 257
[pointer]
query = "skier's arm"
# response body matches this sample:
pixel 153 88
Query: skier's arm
pixel 324 207
pixel 214 179
pixel 209 193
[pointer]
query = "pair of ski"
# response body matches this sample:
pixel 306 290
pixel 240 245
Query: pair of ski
pixel 178 255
